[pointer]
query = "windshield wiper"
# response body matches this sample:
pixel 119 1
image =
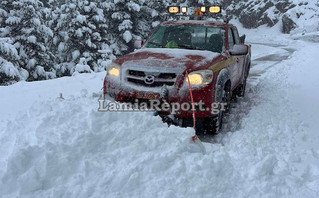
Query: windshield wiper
pixel 190 47
pixel 154 43
pixel 183 46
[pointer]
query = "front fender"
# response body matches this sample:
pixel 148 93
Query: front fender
pixel 223 77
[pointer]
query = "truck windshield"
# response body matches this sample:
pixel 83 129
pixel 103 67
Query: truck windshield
pixel 188 37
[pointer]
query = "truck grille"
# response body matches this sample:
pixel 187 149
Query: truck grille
pixel 157 79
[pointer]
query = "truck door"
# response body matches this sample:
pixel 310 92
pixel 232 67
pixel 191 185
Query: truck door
pixel 236 62
pixel 239 59
pixel 232 59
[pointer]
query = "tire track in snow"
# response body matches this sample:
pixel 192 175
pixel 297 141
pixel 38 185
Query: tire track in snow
pixel 242 106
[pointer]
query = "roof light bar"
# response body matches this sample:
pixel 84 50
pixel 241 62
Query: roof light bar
pixel 203 10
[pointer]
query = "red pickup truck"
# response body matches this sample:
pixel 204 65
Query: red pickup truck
pixel 212 54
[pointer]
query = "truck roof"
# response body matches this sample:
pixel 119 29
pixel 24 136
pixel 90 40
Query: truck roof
pixel 196 22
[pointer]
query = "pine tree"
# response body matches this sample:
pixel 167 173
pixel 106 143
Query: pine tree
pixel 25 26
pixel 122 14
pixel 8 54
pixel 81 32
pixel 9 71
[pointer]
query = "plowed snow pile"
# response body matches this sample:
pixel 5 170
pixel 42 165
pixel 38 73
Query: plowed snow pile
pixel 51 147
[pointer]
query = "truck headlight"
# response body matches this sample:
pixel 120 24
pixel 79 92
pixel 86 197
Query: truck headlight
pixel 113 70
pixel 201 77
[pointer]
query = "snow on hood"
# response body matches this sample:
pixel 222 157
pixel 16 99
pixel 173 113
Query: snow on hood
pixel 180 53
pixel 169 58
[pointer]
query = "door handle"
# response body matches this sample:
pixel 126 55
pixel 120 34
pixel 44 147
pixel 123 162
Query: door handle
pixel 237 60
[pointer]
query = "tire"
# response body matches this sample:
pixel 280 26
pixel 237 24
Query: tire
pixel 212 125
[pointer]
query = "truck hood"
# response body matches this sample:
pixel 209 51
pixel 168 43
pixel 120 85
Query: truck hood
pixel 168 59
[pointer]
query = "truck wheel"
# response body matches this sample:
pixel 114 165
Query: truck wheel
pixel 212 125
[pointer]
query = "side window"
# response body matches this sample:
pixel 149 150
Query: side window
pixel 236 36
pixel 230 39
pixel 215 40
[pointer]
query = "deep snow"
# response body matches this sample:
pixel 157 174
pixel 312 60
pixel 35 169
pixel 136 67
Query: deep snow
pixel 52 147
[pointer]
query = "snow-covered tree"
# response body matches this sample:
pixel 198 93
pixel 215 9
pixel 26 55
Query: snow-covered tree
pixel 24 24
pixel 122 15
pixel 81 32
pixel 9 72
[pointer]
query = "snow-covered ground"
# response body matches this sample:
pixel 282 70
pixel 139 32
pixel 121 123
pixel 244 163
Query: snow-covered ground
pixel 52 147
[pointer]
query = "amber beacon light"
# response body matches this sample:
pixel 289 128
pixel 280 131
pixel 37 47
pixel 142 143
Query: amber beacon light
pixel 173 9
pixel 214 9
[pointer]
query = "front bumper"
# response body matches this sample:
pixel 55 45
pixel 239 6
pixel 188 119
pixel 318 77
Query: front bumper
pixel 126 92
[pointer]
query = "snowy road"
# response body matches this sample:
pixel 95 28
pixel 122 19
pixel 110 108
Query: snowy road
pixel 65 148
pixel 264 57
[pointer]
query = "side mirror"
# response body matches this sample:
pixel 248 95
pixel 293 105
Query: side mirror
pixel 242 39
pixel 239 49
pixel 138 44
